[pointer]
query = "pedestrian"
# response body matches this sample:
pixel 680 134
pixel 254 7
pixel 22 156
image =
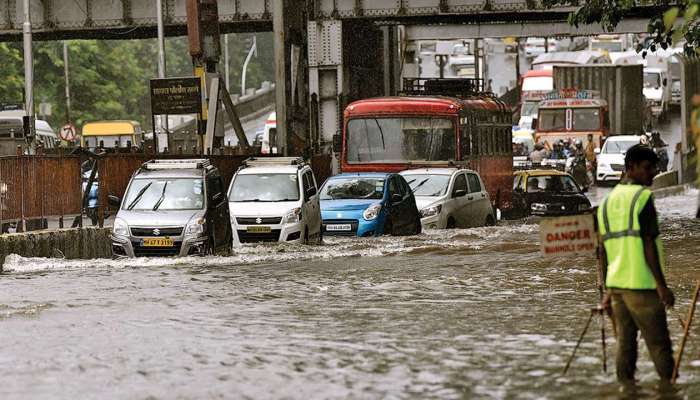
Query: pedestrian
pixel 538 154
pixel 632 259
pixel 590 152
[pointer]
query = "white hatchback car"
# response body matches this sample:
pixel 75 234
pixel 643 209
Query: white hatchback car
pixel 450 198
pixel 611 160
pixel 274 200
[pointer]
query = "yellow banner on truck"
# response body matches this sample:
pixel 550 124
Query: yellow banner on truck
pixel 568 236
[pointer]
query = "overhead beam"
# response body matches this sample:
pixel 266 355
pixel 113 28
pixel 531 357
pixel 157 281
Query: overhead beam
pixel 530 29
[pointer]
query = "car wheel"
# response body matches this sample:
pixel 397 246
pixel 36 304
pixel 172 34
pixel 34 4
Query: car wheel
pixel 451 224
pixel 490 221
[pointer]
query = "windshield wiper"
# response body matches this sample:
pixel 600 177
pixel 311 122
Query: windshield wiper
pixel 420 184
pixel 162 197
pixel 138 196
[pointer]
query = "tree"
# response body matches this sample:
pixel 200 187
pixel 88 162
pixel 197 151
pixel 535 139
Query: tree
pixel 675 21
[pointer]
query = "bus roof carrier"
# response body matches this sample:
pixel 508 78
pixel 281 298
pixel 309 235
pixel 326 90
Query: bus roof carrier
pixel 268 161
pixel 194 163
pixel 457 87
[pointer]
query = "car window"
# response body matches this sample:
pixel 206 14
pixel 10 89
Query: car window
pixel 517 182
pixel 474 183
pixel 215 188
pixel 306 183
pixel 393 188
pixel 404 186
pixel 460 183
pixel 554 183
pixel 312 179
pixel 353 188
pixel 265 188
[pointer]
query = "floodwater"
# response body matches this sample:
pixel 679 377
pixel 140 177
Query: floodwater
pixel 447 315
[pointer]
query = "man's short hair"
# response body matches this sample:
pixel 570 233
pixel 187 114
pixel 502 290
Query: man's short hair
pixel 639 153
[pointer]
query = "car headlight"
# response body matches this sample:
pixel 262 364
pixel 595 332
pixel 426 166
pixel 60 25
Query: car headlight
pixel 294 215
pixel 431 211
pixel 538 207
pixel 372 212
pixel 196 227
pixel 583 207
pixel 121 228
pixel 603 165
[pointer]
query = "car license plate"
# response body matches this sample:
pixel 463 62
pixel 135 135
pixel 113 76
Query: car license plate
pixel 158 242
pixel 259 229
pixel 339 227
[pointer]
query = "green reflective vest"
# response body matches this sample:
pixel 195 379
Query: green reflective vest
pixel 618 222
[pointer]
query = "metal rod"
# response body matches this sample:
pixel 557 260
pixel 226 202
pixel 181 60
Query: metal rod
pixel 281 74
pixel 67 79
pixel 602 337
pixel 28 66
pixel 686 332
pixel 585 329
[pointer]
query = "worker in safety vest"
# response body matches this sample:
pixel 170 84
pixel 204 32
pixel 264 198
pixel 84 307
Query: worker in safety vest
pixel 633 260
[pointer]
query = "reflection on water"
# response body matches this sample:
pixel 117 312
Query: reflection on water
pixel 449 314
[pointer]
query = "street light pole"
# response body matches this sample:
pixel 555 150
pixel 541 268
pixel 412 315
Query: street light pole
pixel 227 71
pixel 28 67
pixel 163 119
pixel 253 51
pixel 66 76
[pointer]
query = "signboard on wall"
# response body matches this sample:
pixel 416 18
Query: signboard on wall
pixel 176 96
pixel 568 236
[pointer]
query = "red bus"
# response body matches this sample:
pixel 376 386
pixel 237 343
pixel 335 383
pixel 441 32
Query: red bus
pixel 437 123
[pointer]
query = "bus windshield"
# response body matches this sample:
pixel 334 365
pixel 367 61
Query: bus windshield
pixel 377 140
pixel 552 120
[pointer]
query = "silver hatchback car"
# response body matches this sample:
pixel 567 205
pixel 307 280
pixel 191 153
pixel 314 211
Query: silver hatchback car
pixel 172 208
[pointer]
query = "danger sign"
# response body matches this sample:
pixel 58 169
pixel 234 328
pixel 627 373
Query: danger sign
pixel 568 236
pixel 68 132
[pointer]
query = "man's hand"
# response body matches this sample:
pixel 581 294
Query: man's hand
pixel 666 295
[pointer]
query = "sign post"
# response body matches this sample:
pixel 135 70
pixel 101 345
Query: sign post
pixel 568 236
pixel 175 96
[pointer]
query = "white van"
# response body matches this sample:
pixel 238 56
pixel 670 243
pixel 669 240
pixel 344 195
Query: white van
pixel 274 200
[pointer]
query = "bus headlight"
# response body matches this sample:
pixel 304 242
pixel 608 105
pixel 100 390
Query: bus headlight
pixel 431 211
pixel 121 228
pixel 372 212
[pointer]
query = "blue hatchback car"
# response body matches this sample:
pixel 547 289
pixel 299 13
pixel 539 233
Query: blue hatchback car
pixel 368 204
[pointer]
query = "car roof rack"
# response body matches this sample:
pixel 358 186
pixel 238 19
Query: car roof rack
pixel 271 161
pixel 194 163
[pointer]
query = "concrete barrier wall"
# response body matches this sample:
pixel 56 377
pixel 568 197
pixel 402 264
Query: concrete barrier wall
pixel 665 180
pixel 85 243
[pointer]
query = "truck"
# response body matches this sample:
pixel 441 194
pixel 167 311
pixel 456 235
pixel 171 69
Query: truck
pixel 620 86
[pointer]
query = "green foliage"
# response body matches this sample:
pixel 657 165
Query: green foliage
pixel 109 79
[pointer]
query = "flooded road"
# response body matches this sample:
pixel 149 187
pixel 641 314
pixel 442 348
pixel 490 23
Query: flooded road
pixel 447 315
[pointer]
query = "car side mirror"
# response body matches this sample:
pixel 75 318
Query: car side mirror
pixel 337 143
pixel 114 200
pixel 396 198
pixel 534 124
pixel 459 193
pixel 665 82
pixel 596 150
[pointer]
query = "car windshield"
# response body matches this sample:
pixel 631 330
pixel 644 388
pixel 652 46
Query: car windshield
pixel 652 80
pixel 552 120
pixel 165 194
pixel 428 185
pixel 552 183
pixel 617 146
pixel 353 188
pixel 586 119
pixel 400 140
pixel 264 188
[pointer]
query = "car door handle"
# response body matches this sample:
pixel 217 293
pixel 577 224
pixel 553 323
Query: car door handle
pixel 483 196
pixel 470 198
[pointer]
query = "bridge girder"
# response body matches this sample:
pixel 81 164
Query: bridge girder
pixel 127 19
